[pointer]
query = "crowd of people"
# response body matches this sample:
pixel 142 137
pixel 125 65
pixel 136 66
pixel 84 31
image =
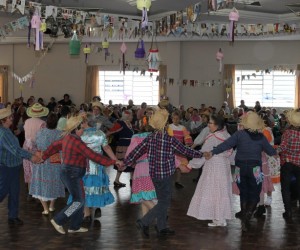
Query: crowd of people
pixel 61 147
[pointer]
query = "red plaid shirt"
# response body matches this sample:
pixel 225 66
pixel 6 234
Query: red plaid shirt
pixel 289 148
pixel 75 152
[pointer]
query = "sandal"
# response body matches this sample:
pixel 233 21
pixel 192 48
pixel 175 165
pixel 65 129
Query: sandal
pixel 119 184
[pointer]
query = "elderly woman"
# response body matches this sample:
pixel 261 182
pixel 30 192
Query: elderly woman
pixel 31 127
pixel 102 121
pixel 75 155
pixel 124 130
pixel 95 180
pixel 212 198
pixel 249 143
pixel 289 151
pixel 46 184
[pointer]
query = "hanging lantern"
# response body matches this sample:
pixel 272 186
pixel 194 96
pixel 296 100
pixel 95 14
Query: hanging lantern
pixel 105 46
pixel 233 17
pixel 74 45
pixel 219 57
pixel 86 51
pixel 35 24
pixel 153 58
pixel 141 4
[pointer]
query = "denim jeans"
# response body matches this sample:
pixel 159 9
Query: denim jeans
pixel 71 176
pixel 288 170
pixel 10 185
pixel 163 188
pixel 249 189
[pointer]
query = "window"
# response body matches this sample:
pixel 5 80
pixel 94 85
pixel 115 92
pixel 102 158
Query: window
pixel 271 89
pixel 119 88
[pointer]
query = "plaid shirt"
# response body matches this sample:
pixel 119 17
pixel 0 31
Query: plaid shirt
pixel 161 149
pixel 75 152
pixel 289 148
pixel 11 154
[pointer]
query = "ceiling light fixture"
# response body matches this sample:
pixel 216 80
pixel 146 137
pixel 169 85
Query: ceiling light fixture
pixel 141 4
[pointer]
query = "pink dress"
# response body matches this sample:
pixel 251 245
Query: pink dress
pixel 31 127
pixel 183 135
pixel 142 186
pixel 212 198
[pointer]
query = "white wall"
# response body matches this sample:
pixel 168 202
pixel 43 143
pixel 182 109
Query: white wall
pixel 58 73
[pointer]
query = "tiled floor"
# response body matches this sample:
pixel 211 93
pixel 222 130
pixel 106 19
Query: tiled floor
pixel 117 229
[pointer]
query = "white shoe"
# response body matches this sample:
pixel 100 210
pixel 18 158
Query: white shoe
pixel 80 230
pixel 57 227
pixel 217 224
pixel 268 201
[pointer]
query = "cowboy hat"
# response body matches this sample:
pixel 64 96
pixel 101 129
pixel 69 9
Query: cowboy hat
pixel 37 110
pixel 159 119
pixel 163 103
pixel 293 118
pixel 6 112
pixel 252 121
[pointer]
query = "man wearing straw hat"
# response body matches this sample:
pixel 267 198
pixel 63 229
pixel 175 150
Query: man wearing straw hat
pixel 289 150
pixel 11 155
pixel 249 143
pixel 75 154
pixel 161 149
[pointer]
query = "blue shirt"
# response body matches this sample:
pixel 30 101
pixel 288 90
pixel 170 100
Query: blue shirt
pixel 247 149
pixel 161 149
pixel 11 154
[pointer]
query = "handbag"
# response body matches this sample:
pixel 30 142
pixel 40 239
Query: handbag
pixel 74 45
pixel 140 49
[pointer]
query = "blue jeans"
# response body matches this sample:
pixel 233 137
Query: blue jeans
pixel 71 176
pixel 10 185
pixel 163 189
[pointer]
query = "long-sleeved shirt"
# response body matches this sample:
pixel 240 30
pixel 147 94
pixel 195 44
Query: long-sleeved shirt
pixel 11 154
pixel 247 149
pixel 290 147
pixel 75 152
pixel 161 149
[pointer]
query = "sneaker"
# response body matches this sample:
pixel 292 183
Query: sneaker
pixel 45 212
pixel 80 230
pixel 165 232
pixel 217 224
pixel 57 227
pixel 15 221
pixel 268 201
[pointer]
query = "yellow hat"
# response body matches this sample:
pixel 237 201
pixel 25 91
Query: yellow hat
pixel 293 118
pixel 163 103
pixel 72 123
pixel 6 112
pixel 37 110
pixel 98 104
pixel 252 121
pixel 159 119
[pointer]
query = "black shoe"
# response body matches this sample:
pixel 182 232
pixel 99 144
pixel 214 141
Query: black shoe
pixel 87 219
pixel 15 221
pixel 239 214
pixel 261 210
pixel 97 212
pixel 144 229
pixel 166 232
pixel 178 185
pixel 116 184
pixel 287 215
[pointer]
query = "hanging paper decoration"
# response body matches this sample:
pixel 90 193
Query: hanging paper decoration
pixel 140 50
pixel 51 11
pixel 233 17
pixel 123 49
pixel 18 5
pixel 144 6
pixel 86 51
pixel 35 24
pixel 153 58
pixel 74 45
pixel 3 4
pixel 219 57
pixel 105 46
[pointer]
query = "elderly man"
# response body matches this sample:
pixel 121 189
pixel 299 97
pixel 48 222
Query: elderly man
pixel 11 159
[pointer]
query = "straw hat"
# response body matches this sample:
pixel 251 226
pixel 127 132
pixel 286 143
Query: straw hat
pixel 293 118
pixel 72 123
pixel 159 119
pixel 98 105
pixel 252 121
pixel 5 112
pixel 37 110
